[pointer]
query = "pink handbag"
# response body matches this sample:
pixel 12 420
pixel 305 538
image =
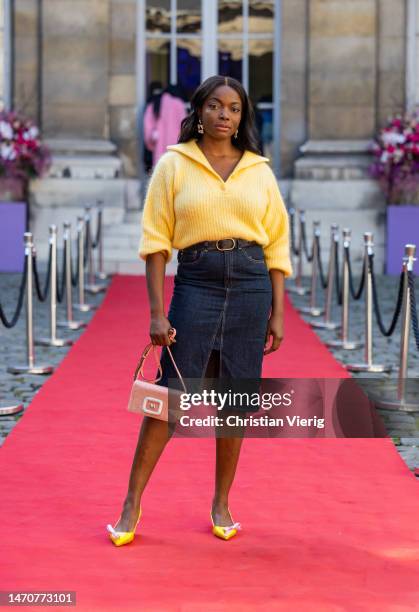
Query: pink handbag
pixel 148 398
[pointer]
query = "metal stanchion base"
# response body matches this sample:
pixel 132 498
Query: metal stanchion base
pixel 299 290
pixel 84 307
pixel 53 342
pixel 6 410
pixel 25 369
pixel 368 367
pixel 347 345
pixel 331 325
pixel 314 312
pixel 395 404
pixel 95 288
pixel 71 324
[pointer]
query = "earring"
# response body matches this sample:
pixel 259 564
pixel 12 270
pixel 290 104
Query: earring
pixel 200 127
pixel 236 135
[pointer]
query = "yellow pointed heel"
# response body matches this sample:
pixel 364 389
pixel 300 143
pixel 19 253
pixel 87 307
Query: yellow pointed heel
pixel 225 533
pixel 119 538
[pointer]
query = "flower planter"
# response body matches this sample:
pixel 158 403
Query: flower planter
pixel 22 157
pixel 402 228
pixel 12 227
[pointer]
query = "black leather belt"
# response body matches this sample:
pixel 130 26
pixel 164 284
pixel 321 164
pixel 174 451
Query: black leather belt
pixel 225 244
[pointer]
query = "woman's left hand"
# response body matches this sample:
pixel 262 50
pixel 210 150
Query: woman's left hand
pixel 276 330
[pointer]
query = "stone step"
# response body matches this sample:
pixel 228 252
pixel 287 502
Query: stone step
pixel 83 159
pixel 123 230
pixel 133 217
pixel 133 266
pixel 120 242
pixel 74 146
pixel 85 167
pixel 73 194
pixel 125 254
pixel 137 269
pixel 120 254
pixel 353 196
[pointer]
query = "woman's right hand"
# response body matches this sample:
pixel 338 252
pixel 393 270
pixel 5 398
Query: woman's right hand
pixel 159 330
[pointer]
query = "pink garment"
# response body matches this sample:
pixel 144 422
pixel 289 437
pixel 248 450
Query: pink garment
pixel 158 133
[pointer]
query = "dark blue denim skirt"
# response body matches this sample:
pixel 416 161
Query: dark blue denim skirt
pixel 221 300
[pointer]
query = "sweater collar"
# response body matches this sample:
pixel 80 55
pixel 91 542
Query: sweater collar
pixel 190 149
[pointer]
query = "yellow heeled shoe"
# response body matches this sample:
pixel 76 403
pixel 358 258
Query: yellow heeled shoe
pixel 225 533
pixel 119 538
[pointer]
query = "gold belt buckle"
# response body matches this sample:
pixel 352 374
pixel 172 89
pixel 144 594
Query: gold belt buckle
pixel 226 249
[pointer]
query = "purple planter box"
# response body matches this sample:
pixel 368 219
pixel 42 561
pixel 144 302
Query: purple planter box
pixel 402 228
pixel 12 228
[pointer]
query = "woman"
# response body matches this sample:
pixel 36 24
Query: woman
pixel 215 198
pixel 162 119
pixel 155 91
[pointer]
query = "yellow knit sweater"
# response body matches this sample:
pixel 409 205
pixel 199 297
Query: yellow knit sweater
pixel 187 201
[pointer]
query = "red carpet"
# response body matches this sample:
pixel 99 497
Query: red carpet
pixel 328 524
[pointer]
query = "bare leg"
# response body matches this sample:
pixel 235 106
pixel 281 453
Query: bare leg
pixel 227 456
pixel 154 435
pixel 228 446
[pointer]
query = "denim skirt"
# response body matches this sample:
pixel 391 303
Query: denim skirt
pixel 221 300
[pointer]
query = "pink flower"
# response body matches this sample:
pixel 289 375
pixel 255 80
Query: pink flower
pixel 23 154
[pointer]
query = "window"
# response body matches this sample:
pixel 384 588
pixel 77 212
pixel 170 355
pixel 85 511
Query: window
pixel 173 46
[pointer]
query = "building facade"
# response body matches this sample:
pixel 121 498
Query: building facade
pixel 323 75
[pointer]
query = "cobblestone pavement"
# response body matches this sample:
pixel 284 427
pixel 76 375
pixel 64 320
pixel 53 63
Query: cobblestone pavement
pixel 21 388
pixel 402 426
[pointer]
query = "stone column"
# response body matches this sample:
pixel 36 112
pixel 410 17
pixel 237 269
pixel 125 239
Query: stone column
pixel 412 54
pixel 75 68
pixel 26 58
pixel 122 82
pixel 391 59
pixel 342 69
pixel 294 42
pixel 331 178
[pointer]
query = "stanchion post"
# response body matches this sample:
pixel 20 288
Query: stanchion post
pixel 81 228
pixel 91 286
pixel 30 367
pixel 343 341
pixel 313 309
pixel 400 401
pixel 70 323
pixel 327 322
pixel 298 285
pixel 101 273
pixel 291 215
pixel 53 340
pixel 368 365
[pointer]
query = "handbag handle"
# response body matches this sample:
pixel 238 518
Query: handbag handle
pixel 151 346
